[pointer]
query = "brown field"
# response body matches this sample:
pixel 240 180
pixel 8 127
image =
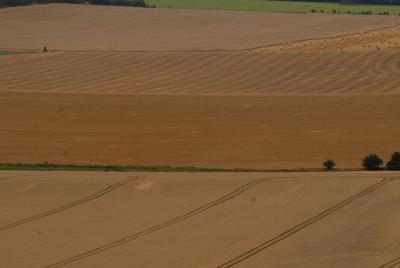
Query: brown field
pixel 258 105
pixel 206 131
pixel 89 219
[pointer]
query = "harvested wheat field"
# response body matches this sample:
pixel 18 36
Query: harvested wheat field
pixel 89 219
pixel 204 73
pixel 87 27
pixel 132 86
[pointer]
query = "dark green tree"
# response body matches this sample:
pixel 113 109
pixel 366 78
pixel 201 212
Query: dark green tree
pixel 372 162
pixel 394 162
pixel 329 164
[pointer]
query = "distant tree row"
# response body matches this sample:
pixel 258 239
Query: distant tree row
pixel 372 162
pixel 363 12
pixel 132 3
pixel 373 2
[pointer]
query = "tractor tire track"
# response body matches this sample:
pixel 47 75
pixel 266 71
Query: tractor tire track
pixel 69 205
pixel 391 263
pixel 301 226
pixel 155 228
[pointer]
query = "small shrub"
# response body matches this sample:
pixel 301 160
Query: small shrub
pixel 313 11
pixel 322 11
pixel 372 162
pixel 329 164
pixel 394 162
pixel 334 11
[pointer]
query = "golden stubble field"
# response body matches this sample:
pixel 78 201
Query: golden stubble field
pixel 90 219
pixel 88 27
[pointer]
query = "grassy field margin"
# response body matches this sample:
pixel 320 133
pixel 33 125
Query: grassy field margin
pixel 10 53
pixel 272 6
pixel 115 168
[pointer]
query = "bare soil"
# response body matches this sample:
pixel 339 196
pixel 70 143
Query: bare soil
pixel 204 131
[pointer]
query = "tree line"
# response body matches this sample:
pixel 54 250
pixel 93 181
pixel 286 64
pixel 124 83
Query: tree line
pixel 132 3
pixel 372 162
pixel 367 2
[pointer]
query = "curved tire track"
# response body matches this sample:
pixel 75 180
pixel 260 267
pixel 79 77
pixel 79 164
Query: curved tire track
pixel 251 252
pixel 391 263
pixel 155 228
pixel 69 205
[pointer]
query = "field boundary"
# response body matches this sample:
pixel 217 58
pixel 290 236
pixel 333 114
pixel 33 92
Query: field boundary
pixel 263 246
pixel 117 168
pixel 69 205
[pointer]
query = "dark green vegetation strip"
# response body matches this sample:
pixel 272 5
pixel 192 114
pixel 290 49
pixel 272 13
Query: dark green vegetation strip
pixel 6 53
pixel 131 3
pixel 71 167
pixel 275 6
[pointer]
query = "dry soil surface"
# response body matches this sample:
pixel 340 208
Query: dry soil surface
pixel 207 131
pixel 89 219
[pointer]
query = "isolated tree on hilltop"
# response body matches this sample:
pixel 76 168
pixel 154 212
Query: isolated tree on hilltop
pixel 329 164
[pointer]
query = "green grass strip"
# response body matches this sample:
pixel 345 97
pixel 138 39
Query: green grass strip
pixel 10 53
pixel 273 6
pixel 116 168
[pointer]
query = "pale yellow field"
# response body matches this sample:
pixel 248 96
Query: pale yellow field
pixel 89 219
